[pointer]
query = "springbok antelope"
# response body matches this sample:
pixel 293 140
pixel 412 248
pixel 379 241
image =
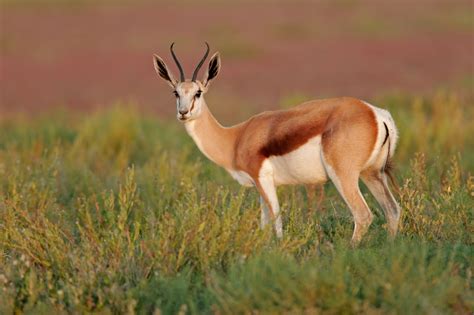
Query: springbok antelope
pixel 342 139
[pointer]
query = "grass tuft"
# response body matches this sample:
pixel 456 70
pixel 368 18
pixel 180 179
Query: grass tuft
pixel 118 212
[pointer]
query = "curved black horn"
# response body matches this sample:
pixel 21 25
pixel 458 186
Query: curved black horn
pixel 181 72
pixel 200 63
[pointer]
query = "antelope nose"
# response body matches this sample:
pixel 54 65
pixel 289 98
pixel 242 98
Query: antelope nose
pixel 183 112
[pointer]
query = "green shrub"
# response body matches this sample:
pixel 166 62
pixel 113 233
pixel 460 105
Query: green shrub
pixel 118 212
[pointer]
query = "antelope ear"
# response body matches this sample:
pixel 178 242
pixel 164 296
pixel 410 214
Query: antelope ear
pixel 163 71
pixel 213 69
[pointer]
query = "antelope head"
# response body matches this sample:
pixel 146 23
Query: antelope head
pixel 189 93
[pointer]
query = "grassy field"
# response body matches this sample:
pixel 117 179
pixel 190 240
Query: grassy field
pixel 118 212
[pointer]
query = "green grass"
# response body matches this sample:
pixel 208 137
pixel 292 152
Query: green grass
pixel 119 212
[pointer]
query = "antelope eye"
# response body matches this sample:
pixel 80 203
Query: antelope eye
pixel 198 93
pixel 175 93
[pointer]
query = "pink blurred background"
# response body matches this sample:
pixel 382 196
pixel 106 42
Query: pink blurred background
pixel 84 55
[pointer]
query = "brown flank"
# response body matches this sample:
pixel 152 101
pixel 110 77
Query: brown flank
pixel 280 132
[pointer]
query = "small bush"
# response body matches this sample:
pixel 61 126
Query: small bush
pixel 120 213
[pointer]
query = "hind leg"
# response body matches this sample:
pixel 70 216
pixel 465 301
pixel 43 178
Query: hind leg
pixel 347 184
pixel 347 145
pixel 376 181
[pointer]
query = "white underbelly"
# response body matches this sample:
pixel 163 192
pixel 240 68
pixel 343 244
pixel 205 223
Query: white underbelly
pixel 302 166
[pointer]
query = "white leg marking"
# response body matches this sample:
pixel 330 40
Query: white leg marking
pixel 270 191
pixel 268 186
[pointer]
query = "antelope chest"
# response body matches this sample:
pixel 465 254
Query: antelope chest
pixel 301 166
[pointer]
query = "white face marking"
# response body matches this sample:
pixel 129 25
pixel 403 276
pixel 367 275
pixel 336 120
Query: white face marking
pixel 302 166
pixel 189 97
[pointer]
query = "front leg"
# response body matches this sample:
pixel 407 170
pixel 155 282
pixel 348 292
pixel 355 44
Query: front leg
pixel 265 213
pixel 269 201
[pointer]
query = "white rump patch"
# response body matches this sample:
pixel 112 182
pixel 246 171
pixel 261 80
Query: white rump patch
pixel 382 116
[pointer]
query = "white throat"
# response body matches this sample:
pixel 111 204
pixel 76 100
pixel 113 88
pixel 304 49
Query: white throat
pixel 194 133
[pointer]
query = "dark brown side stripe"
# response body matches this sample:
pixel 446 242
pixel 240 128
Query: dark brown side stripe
pixel 291 140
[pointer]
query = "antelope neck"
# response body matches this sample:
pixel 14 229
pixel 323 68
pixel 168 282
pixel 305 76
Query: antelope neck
pixel 215 141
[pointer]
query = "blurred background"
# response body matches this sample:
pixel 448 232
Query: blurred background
pixel 83 55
